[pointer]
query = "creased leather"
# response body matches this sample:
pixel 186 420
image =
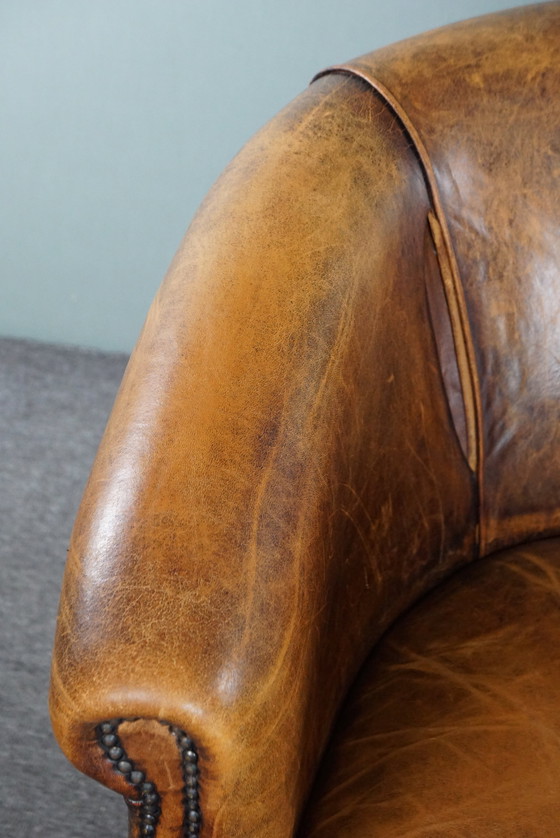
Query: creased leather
pixel 453 728
pixel 284 471
pixel 482 98
pixel 280 475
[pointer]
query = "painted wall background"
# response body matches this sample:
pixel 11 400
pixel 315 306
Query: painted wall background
pixel 117 116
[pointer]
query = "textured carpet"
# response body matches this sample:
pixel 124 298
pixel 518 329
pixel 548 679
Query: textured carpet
pixel 53 406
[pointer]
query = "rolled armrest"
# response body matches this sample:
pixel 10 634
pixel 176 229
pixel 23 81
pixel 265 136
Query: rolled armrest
pixel 279 478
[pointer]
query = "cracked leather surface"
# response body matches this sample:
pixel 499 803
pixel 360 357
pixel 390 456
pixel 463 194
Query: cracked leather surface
pixel 453 728
pixel 288 465
pixel 279 477
pixel 483 98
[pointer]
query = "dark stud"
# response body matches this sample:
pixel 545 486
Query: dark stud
pixel 191 794
pixel 150 798
pixel 147 817
pixel 137 777
pixel 185 742
pixel 191 781
pixel 190 756
pixel 109 739
pixel 193 829
pixel 116 753
pixel 148 829
pixel 190 768
pixel 151 809
pixel 124 766
pixel 148 788
pixel 193 816
pixel 106 727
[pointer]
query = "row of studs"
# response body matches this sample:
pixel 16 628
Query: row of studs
pixel 191 798
pixel 149 797
pixel 149 811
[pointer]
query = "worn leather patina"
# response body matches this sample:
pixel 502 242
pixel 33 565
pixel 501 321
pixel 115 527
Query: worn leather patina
pixel 480 102
pixel 346 389
pixel 452 727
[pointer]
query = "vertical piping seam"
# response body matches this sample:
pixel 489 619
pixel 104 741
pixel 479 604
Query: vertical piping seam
pixel 453 287
pixel 447 278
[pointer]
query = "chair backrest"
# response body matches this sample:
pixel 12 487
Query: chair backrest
pixel 481 103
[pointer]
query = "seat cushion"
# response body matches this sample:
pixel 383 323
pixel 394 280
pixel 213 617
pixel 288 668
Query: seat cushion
pixel 453 728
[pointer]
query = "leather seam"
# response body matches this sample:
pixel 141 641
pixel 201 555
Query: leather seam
pixel 446 276
pixel 451 279
pixel 146 799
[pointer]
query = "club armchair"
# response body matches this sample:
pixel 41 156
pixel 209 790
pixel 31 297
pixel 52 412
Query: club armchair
pixel 313 587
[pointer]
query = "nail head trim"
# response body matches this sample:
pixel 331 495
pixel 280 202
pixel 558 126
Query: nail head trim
pixel 148 796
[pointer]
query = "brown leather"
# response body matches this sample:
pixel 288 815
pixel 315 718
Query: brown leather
pixel 141 738
pixel 253 520
pixel 481 101
pixel 453 727
pixel 316 400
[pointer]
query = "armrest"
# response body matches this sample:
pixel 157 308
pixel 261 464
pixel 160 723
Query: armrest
pixel 278 479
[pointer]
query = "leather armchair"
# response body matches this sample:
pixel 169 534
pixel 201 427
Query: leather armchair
pixel 346 394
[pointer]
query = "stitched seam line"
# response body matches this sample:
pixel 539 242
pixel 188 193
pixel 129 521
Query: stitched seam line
pixel 453 287
pixel 147 799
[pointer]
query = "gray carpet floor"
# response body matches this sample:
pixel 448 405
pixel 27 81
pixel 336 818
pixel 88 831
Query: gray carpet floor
pixel 53 406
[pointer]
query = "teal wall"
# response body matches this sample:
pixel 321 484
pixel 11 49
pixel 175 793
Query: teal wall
pixel 116 117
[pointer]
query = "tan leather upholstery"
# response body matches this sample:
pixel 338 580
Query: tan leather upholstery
pixel 480 100
pixel 346 389
pixel 453 727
